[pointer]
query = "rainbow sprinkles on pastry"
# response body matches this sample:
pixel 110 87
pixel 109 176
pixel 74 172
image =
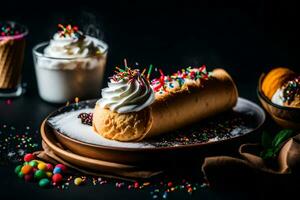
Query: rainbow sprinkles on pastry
pixel 133 108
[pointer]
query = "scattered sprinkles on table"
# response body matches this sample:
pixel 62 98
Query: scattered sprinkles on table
pixel 15 143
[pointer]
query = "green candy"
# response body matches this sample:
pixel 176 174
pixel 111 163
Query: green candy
pixel 18 169
pixel 20 174
pixel 25 163
pixel 44 182
pixel 33 163
pixel 40 174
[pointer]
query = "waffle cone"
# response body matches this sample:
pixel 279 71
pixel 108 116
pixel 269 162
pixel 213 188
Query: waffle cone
pixel 11 61
pixel 170 111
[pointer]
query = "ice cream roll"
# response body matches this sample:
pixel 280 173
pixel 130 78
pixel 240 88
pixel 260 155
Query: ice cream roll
pixel 133 108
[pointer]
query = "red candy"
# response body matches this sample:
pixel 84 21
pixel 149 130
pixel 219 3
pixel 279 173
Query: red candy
pixel 136 185
pixel 49 167
pixel 57 178
pixel 62 167
pixel 28 177
pixel 170 184
pixel 28 157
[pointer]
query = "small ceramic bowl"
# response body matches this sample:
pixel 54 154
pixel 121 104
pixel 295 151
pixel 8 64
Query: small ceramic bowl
pixel 286 117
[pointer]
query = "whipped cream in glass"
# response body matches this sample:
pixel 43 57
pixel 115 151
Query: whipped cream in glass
pixel 70 65
pixel 72 46
pixel 130 93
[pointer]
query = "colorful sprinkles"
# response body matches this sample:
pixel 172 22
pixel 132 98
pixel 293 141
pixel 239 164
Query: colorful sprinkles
pixel 128 74
pixel 291 90
pixel 10 29
pixel 86 118
pixel 69 31
pixel 165 83
pixel 17 144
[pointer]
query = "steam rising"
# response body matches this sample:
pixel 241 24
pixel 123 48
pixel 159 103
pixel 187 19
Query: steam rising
pixel 90 25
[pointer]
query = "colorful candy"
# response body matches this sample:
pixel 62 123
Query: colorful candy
pixel 20 175
pixel 40 174
pixel 44 182
pixel 49 167
pixel 78 181
pixel 49 174
pixel 28 157
pixel 62 167
pixel 57 170
pixel 42 166
pixel 28 177
pixel 18 169
pixel 33 163
pixel 26 169
pixel 157 189
pixel 57 178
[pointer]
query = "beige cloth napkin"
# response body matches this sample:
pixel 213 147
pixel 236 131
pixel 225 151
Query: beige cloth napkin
pixel 251 168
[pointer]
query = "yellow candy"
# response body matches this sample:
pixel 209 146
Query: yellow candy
pixel 42 166
pixel 78 181
pixel 49 174
pixel 39 161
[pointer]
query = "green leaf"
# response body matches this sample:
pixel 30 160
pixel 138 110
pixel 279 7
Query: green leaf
pixel 266 140
pixel 268 153
pixel 282 136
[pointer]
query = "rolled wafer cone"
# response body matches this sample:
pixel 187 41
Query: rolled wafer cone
pixel 11 61
pixel 173 110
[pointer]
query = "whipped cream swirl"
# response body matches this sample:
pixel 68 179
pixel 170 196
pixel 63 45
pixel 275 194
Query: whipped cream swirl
pixel 72 46
pixel 127 94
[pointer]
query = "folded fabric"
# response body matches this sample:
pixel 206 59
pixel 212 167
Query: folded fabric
pixel 251 168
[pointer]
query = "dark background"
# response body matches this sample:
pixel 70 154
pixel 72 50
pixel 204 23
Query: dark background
pixel 244 37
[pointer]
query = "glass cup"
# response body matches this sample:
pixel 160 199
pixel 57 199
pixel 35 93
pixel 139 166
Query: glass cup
pixel 63 79
pixel 12 47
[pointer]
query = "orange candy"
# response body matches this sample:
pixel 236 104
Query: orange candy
pixel 26 169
